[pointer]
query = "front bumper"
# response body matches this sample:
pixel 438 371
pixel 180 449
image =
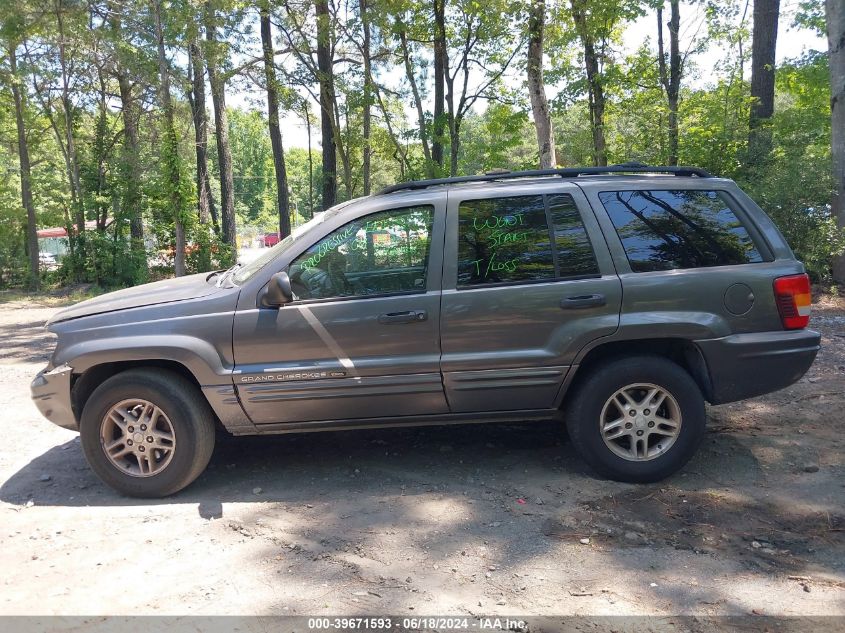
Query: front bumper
pixel 746 365
pixel 51 394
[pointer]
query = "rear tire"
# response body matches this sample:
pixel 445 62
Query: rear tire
pixel 637 419
pixel 156 412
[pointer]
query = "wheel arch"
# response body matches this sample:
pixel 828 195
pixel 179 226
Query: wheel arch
pixel 84 383
pixel 681 351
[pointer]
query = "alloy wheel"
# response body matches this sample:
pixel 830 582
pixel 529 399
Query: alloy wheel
pixel 138 438
pixel 640 422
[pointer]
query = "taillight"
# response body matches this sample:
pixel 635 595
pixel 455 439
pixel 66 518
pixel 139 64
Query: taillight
pixel 792 294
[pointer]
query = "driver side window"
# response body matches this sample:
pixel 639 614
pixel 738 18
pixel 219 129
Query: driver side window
pixel 382 253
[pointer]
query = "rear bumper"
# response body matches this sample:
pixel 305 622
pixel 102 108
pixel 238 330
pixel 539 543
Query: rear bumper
pixel 747 365
pixel 51 394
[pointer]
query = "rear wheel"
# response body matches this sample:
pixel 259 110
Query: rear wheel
pixel 636 419
pixel 147 433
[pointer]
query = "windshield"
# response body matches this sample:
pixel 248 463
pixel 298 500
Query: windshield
pixel 248 270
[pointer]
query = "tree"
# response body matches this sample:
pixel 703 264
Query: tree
pixel 537 87
pixel 325 76
pixel 596 24
pixel 113 108
pixel 835 12
pixel 595 86
pixel 217 81
pixel 401 28
pixel 19 97
pixel 170 147
pixel 763 45
pixel 366 55
pixel 196 72
pixel 479 61
pixel 67 108
pixel 671 79
pixel 130 112
pixel 440 61
pixel 282 201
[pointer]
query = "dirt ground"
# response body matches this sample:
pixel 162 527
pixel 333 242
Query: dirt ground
pixel 492 519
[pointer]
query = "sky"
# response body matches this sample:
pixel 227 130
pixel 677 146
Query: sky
pixel 791 43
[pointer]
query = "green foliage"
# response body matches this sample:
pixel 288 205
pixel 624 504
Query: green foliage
pixel 794 184
pixel 500 138
pixel 255 185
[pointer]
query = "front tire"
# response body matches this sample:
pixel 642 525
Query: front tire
pixel 147 433
pixel 637 419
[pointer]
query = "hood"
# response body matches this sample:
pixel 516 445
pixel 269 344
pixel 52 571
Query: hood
pixel 166 291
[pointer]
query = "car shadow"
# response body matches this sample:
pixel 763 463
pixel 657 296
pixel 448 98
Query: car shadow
pixel 334 502
pixel 294 468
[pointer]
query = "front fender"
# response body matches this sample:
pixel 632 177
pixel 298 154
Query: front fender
pixel 197 355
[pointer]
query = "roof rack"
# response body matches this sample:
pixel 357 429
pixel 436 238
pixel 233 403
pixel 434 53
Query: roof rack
pixel 568 172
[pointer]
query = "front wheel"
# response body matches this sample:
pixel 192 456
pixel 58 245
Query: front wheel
pixel 636 419
pixel 147 433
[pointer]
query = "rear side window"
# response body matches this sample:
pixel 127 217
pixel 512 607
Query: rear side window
pixel 508 240
pixel 665 230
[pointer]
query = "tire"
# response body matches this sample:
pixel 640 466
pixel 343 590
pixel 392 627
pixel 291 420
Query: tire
pixel 643 446
pixel 180 436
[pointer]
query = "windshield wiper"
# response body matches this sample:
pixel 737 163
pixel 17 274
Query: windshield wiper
pixel 227 274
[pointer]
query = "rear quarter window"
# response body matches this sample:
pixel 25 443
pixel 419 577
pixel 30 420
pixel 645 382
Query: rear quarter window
pixel 671 229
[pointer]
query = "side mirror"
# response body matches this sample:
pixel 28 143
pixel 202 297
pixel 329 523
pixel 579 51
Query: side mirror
pixel 278 290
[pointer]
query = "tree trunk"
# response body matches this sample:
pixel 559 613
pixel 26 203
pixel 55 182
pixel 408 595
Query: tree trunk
pixel 205 200
pixel 131 202
pixel 327 101
pixel 368 94
pixel 409 73
pixel 440 62
pixel 72 158
pixel 671 80
pixel 400 153
pixel 101 151
pixel 537 87
pixel 171 145
pixel 221 129
pixel 763 44
pixel 132 159
pixel 310 164
pixel 455 145
pixel 282 202
pixel 451 117
pixel 343 149
pixel 595 95
pixel 836 48
pixel 26 173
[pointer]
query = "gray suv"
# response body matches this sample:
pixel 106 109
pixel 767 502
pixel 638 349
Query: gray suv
pixel 614 299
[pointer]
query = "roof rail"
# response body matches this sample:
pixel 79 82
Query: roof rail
pixel 567 172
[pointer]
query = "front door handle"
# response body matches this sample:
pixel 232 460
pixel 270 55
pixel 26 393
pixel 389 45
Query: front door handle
pixel 582 301
pixel 408 316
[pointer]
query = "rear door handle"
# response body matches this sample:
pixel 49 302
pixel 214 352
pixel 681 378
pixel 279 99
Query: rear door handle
pixel 582 301
pixel 408 316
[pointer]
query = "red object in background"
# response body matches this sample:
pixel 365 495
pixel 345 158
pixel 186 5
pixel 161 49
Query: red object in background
pixel 271 239
pixel 60 231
